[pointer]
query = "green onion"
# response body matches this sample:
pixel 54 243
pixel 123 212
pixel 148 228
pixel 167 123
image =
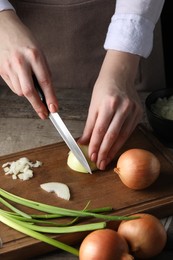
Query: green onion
pixel 57 210
pixel 57 230
pixel 26 223
pixel 8 205
pixel 11 223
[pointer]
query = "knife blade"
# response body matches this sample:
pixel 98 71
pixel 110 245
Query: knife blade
pixel 63 130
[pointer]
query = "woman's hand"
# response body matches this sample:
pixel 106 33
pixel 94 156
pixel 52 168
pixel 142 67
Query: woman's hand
pixel 115 108
pixel 20 57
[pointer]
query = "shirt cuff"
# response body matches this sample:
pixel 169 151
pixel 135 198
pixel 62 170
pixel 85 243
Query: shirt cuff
pixel 5 5
pixel 130 33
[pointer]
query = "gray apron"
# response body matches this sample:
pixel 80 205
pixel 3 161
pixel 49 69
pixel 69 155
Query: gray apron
pixel 72 33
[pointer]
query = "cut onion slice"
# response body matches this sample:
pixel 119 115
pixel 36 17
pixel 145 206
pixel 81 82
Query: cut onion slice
pixel 61 189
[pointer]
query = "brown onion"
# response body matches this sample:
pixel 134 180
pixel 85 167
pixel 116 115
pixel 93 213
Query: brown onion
pixel 146 236
pixel 104 244
pixel 138 168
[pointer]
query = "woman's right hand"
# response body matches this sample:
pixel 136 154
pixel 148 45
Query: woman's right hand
pixel 20 57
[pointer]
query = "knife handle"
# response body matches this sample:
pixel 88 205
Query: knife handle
pixel 39 91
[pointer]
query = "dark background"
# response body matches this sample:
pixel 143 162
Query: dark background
pixel 167 31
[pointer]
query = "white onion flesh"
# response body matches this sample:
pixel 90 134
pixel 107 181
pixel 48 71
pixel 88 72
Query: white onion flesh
pixel 21 168
pixel 163 107
pixel 75 165
pixel 60 189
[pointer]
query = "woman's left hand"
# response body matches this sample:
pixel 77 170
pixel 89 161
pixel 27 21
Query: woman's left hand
pixel 115 108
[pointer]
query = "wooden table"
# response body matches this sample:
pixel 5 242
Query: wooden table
pixel 21 129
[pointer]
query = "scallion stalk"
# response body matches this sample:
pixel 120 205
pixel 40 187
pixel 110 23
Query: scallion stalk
pixel 8 205
pixel 27 231
pixel 26 223
pixel 58 210
pixel 57 230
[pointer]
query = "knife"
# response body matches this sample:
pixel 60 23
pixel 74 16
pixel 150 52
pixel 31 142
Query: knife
pixel 63 130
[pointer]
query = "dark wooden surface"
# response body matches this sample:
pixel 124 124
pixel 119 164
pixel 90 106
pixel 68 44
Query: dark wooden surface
pixel 21 129
pixel 101 188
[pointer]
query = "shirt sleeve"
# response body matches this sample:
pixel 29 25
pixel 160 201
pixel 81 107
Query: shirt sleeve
pixel 132 26
pixel 5 5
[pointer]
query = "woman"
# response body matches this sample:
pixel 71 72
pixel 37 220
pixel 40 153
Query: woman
pixel 115 108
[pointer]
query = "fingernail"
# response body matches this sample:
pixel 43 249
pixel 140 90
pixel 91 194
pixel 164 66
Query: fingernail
pixel 102 165
pixel 42 115
pixel 94 157
pixel 52 108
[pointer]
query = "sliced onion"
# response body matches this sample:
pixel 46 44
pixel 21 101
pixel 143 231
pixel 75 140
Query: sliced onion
pixel 75 165
pixel 61 189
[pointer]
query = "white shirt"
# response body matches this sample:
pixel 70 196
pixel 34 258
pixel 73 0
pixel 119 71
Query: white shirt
pixel 132 25
pixel 5 5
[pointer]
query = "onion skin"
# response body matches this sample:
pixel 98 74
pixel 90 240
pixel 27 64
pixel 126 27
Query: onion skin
pixel 75 165
pixel 145 236
pixel 104 244
pixel 138 168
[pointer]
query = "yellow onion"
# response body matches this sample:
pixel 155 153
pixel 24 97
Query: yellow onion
pixel 138 168
pixel 104 244
pixel 146 236
pixel 75 165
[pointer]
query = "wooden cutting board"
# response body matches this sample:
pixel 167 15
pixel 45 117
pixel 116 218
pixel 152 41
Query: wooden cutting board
pixel 101 188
